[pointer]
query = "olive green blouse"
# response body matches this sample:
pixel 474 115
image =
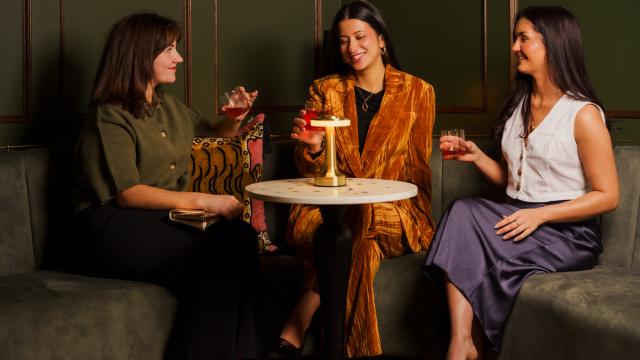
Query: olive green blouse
pixel 116 151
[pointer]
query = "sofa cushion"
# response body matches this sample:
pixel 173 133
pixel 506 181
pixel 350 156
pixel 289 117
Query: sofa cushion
pixel 110 319
pixel 34 226
pixel 590 314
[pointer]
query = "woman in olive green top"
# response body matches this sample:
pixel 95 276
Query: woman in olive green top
pixel 132 162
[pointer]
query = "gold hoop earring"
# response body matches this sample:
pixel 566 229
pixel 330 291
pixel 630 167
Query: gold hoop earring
pixel 383 51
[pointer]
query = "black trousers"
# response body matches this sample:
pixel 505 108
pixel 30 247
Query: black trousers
pixel 212 273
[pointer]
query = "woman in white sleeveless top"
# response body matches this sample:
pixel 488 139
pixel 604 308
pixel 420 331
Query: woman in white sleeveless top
pixel 559 171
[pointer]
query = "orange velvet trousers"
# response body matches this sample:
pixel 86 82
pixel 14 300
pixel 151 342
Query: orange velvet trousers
pixel 378 235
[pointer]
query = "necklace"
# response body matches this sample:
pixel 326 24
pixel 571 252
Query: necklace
pixel 364 105
pixel 543 108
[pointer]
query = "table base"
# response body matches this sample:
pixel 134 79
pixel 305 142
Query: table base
pixel 332 245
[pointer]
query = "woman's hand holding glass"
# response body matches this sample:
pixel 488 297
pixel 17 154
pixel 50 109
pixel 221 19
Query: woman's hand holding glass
pixel 309 135
pixel 237 103
pixel 454 146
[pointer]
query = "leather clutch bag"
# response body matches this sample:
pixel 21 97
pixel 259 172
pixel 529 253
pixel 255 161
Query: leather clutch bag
pixel 199 219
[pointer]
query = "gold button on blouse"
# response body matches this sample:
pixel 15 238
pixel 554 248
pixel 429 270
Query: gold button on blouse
pixel 172 166
pixel 163 134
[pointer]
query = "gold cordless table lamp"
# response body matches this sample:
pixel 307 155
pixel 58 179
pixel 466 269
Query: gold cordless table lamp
pixel 330 175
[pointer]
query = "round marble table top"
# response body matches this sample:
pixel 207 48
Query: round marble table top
pixel 357 191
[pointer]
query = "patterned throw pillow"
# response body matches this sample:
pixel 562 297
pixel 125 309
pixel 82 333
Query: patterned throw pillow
pixel 227 165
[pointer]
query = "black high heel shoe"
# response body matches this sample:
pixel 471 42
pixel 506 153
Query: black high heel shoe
pixel 287 350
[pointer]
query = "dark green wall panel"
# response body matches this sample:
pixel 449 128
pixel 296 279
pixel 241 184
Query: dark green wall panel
pixel 12 40
pixel 45 64
pixel 441 42
pixel 462 49
pixel 202 58
pixel 47 125
pixel 272 53
pixel 269 45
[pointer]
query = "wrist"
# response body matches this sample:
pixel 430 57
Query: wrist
pixel 545 214
pixel 199 201
pixel 479 157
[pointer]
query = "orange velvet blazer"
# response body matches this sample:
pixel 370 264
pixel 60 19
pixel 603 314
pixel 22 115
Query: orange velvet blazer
pixel 397 146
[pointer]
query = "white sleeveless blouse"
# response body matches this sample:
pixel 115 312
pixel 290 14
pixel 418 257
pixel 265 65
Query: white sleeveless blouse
pixel 548 167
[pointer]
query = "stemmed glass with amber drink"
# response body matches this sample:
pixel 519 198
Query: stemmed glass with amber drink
pixel 234 103
pixel 452 143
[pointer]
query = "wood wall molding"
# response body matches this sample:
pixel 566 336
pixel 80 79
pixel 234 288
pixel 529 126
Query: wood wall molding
pixel 26 69
pixel 61 60
pixel 27 61
pixel 318 34
pixel 622 114
pixel 216 60
pixel 188 48
pixel 513 11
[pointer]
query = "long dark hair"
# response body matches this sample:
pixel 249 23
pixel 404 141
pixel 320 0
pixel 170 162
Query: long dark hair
pixel 562 38
pixel 126 66
pixel 364 11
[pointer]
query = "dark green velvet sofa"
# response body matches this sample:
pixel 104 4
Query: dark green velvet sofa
pixel 46 313
pixel 49 312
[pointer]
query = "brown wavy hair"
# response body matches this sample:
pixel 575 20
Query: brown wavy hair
pixel 126 66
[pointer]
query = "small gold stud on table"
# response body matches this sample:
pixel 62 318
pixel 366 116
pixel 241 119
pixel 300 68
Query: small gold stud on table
pixel 330 175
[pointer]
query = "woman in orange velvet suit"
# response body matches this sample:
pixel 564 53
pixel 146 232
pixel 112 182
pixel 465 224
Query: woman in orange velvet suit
pixel 392 115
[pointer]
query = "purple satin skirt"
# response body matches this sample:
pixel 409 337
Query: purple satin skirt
pixel 489 271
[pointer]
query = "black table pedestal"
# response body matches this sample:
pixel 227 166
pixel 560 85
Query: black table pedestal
pixel 332 257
